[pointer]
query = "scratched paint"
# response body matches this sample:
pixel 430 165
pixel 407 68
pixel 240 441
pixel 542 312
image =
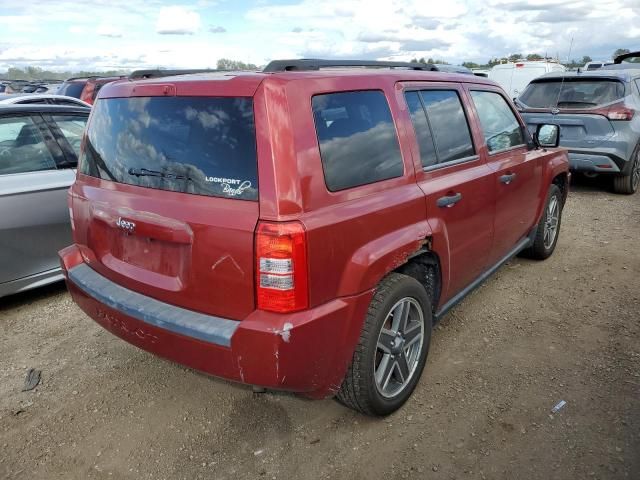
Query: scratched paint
pixel 286 332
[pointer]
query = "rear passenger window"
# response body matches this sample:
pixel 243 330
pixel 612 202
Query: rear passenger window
pixel 449 125
pixel 421 127
pixel 72 127
pixel 22 147
pixel 357 137
pixel 500 127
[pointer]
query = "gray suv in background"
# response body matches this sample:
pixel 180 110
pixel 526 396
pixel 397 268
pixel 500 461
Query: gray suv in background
pixel 599 117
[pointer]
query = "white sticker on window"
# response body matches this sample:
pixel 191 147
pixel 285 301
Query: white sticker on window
pixel 230 186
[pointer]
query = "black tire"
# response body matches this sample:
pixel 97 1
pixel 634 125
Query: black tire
pixel 628 184
pixel 359 389
pixel 541 249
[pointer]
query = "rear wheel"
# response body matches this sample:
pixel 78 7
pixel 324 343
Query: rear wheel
pixel 628 184
pixel 548 228
pixel 392 350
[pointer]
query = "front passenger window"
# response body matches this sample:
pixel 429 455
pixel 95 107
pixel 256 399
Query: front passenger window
pixel 22 147
pixel 500 126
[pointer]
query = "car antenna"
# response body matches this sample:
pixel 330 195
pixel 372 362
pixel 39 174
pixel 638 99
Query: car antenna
pixel 562 82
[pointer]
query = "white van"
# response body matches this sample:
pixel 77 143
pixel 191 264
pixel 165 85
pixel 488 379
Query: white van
pixel 515 76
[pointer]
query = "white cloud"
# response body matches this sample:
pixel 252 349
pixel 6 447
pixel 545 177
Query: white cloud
pixel 106 30
pixel 175 20
pixel 47 33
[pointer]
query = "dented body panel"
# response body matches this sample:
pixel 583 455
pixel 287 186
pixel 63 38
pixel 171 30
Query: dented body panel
pixel 306 352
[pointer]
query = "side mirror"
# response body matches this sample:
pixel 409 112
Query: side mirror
pixel 547 136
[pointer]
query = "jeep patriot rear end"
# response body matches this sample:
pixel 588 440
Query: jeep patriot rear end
pixel 303 230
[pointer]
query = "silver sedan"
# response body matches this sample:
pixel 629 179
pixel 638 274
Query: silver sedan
pixel 39 148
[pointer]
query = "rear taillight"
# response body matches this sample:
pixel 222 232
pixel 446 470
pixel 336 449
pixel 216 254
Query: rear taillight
pixel 617 111
pixel 281 267
pixel 87 93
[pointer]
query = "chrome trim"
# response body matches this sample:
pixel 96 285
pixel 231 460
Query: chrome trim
pixel 451 163
pixel 503 150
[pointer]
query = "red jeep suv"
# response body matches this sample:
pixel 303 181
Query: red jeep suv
pixel 302 228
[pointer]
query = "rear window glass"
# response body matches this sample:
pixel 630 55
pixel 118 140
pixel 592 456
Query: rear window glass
pixel 71 89
pixel 572 94
pixel 357 137
pixel 449 125
pixel 196 145
pixel 422 129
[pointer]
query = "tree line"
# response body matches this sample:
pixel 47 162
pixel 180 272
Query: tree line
pixel 573 63
pixel 37 73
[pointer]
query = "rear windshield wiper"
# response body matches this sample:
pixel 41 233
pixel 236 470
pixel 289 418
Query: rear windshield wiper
pixel 144 172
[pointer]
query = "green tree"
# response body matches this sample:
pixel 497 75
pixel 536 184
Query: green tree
pixel 586 59
pixel 226 64
pixel 515 57
pixel 470 65
pixel 621 51
pixel 534 56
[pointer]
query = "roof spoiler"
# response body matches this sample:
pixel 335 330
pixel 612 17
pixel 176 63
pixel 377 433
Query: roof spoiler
pixel 142 74
pixel 308 64
pixel 621 58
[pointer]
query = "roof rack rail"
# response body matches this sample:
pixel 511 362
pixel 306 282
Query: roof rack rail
pixel 82 77
pixel 316 64
pixel 155 73
pixel 620 58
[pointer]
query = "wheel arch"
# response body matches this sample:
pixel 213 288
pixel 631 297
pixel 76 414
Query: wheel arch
pixel 425 267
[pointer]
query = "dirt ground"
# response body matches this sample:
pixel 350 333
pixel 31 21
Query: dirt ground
pixel 536 333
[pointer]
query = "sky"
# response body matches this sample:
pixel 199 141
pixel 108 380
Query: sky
pixel 126 34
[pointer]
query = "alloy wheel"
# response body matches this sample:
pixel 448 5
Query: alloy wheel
pixel 551 222
pixel 399 346
pixel 635 173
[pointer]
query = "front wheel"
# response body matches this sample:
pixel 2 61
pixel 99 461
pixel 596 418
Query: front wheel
pixel 392 350
pixel 548 229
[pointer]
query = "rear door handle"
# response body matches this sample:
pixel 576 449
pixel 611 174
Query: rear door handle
pixel 449 200
pixel 508 178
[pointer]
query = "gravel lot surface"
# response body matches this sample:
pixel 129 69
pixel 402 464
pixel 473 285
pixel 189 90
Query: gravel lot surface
pixel 535 334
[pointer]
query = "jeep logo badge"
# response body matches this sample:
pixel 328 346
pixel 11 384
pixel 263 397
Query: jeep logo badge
pixel 125 225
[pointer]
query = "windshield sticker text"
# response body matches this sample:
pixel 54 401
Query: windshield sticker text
pixel 230 186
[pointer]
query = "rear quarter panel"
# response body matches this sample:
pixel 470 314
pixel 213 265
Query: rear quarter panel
pixel 355 236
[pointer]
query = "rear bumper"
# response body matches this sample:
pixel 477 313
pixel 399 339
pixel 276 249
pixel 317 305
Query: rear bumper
pixel 594 162
pixel 306 352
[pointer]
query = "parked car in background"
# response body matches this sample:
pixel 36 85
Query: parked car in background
pixel 385 195
pixel 443 67
pixel 596 65
pixel 515 76
pixel 85 88
pixel 15 86
pixel 39 146
pixel 41 99
pixel 481 72
pixel 599 113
